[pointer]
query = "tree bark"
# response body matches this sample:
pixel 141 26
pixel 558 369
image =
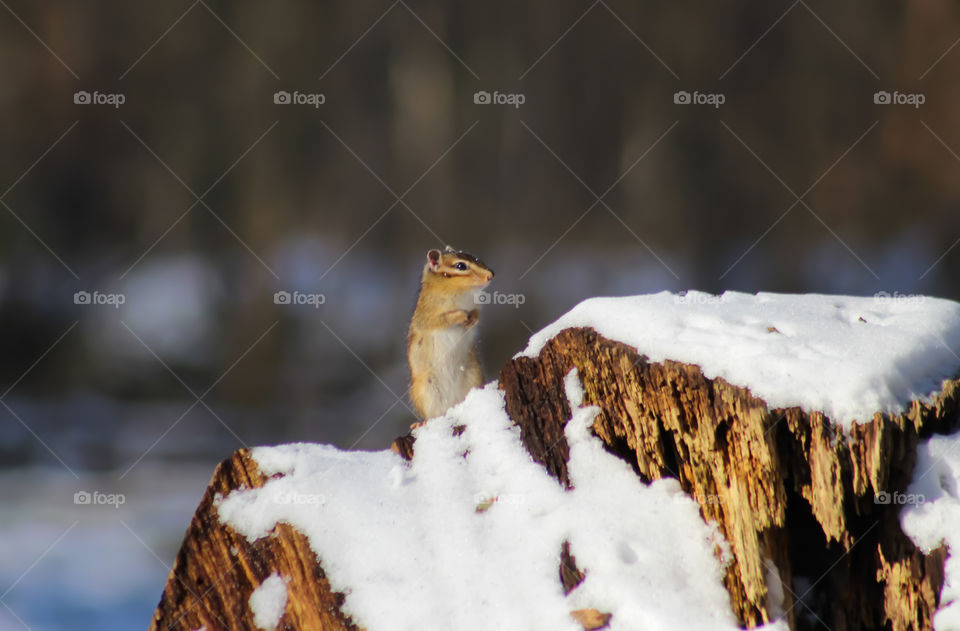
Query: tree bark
pixel 217 569
pixel 792 496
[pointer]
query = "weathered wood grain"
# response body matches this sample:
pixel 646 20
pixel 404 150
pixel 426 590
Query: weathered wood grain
pixel 217 570
pixel 792 497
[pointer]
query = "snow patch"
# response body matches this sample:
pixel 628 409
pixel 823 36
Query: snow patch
pixel 468 535
pixel 847 357
pixel 268 602
pixel 931 518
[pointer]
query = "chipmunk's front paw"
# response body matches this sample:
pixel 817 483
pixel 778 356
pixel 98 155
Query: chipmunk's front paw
pixel 455 317
pixel 472 316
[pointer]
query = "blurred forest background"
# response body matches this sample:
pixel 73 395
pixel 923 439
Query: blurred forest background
pixel 199 197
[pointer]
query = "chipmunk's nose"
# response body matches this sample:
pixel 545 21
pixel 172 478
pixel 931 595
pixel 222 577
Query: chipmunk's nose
pixel 489 275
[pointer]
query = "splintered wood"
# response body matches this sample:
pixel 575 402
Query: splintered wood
pixel 799 504
pixel 792 496
pixel 217 570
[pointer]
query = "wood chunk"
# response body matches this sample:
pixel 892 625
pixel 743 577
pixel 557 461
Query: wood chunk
pixel 570 574
pixel 403 446
pixel 748 466
pixel 591 618
pixel 791 495
pixel 217 569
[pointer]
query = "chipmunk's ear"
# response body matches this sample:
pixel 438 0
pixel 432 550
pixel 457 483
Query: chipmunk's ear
pixel 433 259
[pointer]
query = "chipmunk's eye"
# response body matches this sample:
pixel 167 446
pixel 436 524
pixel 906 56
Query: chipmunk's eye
pixel 461 266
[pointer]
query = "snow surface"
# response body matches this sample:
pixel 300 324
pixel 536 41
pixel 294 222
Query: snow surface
pixel 268 602
pixel 932 517
pixel 847 357
pixel 467 536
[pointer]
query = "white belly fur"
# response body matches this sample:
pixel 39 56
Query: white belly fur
pixel 450 348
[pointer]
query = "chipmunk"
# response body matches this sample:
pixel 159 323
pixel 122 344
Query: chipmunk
pixel 441 345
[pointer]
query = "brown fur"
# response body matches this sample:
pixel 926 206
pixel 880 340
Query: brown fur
pixel 441 344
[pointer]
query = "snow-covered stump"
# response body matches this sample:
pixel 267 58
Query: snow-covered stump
pixel 641 455
pixel 791 495
pixel 215 579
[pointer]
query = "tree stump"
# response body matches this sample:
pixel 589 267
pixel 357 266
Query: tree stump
pixel 792 495
pixel 217 569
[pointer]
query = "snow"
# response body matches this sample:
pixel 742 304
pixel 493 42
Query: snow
pixel 468 535
pixel 932 514
pixel 847 357
pixel 268 602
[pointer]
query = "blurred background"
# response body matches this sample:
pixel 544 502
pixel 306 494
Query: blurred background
pixel 167 168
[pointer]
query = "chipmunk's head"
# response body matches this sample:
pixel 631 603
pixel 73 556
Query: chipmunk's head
pixel 456 270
